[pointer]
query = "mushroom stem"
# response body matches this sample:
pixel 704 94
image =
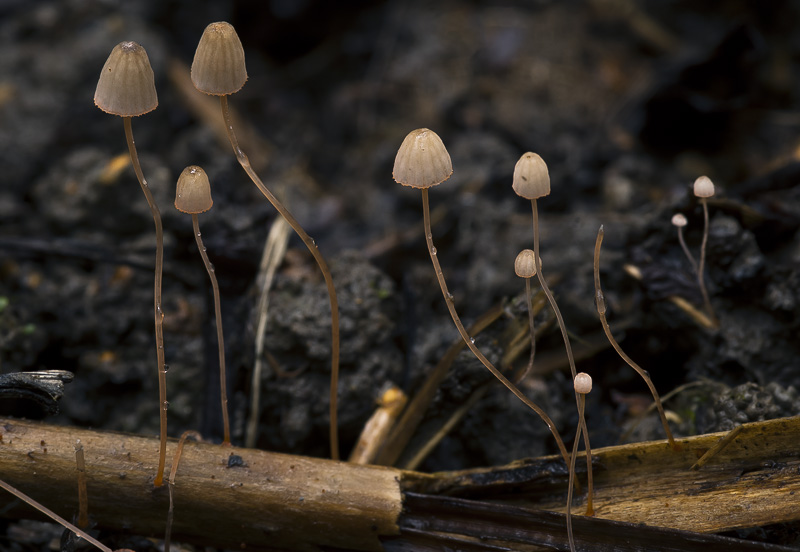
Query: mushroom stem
pixel 323 266
pixel 581 427
pixel 223 393
pixel 702 264
pixel 159 313
pixel 686 251
pixel 570 356
pixel 529 368
pixel 470 342
pixel 601 311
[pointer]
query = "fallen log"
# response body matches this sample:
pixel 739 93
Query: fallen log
pixel 233 497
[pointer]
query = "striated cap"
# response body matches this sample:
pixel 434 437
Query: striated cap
pixel 582 383
pixel 193 193
pixel 531 179
pixel 126 86
pixel 218 67
pixel 422 160
pixel 703 187
pixel 525 264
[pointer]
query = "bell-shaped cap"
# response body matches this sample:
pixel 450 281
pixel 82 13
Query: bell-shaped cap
pixel 531 179
pixel 582 383
pixel 703 187
pixel 525 264
pixel 193 193
pixel 126 86
pixel 218 67
pixel 679 220
pixel 422 160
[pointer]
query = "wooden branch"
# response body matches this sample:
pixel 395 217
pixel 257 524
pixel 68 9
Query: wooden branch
pixel 263 500
pixel 753 481
pixel 267 500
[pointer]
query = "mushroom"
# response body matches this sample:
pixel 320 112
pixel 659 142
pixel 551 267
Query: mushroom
pixel 583 385
pixel 219 69
pixel 601 311
pixel 703 189
pixel 193 196
pixel 423 162
pixel 525 267
pixel 532 181
pixel 127 88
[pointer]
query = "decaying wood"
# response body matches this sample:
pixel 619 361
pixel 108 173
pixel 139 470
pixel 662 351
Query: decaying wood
pixel 753 481
pixel 224 496
pixel 267 500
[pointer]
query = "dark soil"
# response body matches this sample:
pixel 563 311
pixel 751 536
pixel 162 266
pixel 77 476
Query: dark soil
pixel 628 102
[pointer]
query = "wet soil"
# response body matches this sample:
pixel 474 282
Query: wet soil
pixel 628 102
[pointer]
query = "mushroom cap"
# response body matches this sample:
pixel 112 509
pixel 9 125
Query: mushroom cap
pixel 218 67
pixel 703 187
pixel 525 264
pixel 422 160
pixel 582 383
pixel 531 179
pixel 193 193
pixel 126 86
pixel 679 220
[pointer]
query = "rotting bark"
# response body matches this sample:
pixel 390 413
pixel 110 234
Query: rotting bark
pixel 297 503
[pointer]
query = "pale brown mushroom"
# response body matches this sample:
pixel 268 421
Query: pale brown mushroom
pixel 193 196
pixel 126 88
pixel 219 69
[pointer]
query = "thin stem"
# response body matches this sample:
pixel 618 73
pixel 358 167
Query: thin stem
pixel 448 297
pixel 55 517
pixel 159 313
pixel 570 357
pixel 686 250
pixel 171 483
pixel 601 311
pixel 323 266
pixel 223 393
pixel 529 368
pixel 581 427
pixel 701 265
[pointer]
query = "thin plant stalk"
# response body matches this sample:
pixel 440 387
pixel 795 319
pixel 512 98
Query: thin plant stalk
pixel 54 516
pixel 323 266
pixel 171 484
pixel 570 356
pixel 581 427
pixel 686 251
pixel 470 342
pixel 529 367
pixel 601 311
pixel 702 265
pixel 223 393
pixel 159 313
pixel 83 498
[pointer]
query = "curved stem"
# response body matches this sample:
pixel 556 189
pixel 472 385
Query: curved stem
pixel 686 251
pixel 159 313
pixel 570 357
pixel 223 393
pixel 448 297
pixel 323 266
pixel 601 311
pixel 581 427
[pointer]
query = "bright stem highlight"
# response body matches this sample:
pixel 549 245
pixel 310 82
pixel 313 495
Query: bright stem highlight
pixel 601 311
pixel 570 357
pixel 244 161
pixel 469 341
pixel 158 312
pixel 223 393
